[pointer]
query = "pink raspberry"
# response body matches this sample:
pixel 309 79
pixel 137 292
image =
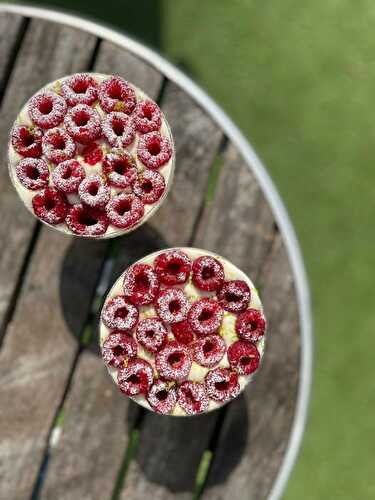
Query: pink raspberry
pixel 208 273
pixel 162 397
pixel 120 168
pixel 234 296
pixel 173 362
pixel 27 141
pixel 151 334
pixel 250 325
pixel 147 117
pixel 86 221
pixel 92 154
pixel 67 176
pixel 149 186
pixel 135 378
pixel 47 109
pixel 79 89
pixel 208 351
pixel 125 210
pixel 83 123
pixel 115 94
pixel 182 332
pixel 172 267
pixel 33 173
pixel 141 284
pixel 205 316
pixel 120 314
pixel 244 357
pixel 50 206
pixel 118 128
pixel 172 305
pixel 58 146
pixel 117 348
pixel 222 385
pixel 192 397
pixel 94 192
pixel 154 150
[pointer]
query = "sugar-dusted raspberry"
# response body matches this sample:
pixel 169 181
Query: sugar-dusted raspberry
pixel 244 357
pixel 141 284
pixel 222 384
pixel 125 210
pixel 147 117
pixel 86 221
pixel 172 305
pixel 149 186
pixel 94 192
pixel 118 347
pixel 79 89
pixel 234 296
pixel 154 150
pixel 192 397
pixel 173 267
pixel 118 129
pixel 136 377
pixel 208 273
pixel 162 396
pixel 115 94
pixel 92 154
pixel 47 109
pixel 83 123
pixel 182 332
pixel 68 175
pixel 27 141
pixel 174 361
pixel 120 168
pixel 50 206
pixel 58 146
pixel 250 325
pixel 205 316
pixel 208 351
pixel 120 314
pixel 151 334
pixel 33 173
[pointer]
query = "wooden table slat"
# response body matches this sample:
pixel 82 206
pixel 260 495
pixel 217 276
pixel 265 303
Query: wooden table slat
pixel 10 31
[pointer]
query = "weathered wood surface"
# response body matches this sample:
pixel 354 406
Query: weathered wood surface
pixel 10 33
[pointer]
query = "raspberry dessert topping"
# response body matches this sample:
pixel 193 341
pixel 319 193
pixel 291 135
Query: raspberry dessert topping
pixel 67 176
pixel 92 154
pixel 141 284
pixel 151 334
pixel 115 94
pixel 125 210
pixel 120 314
pixel 94 192
pixel 118 128
pixel 208 273
pixel 173 267
pixel 83 123
pixel 209 351
pixel 205 316
pixel 136 377
pixel 117 348
pixel 182 332
pixel 27 141
pixel 244 357
pixel 162 396
pixel 86 221
pixel 120 169
pixel 149 186
pixel 154 150
pixel 50 206
pixel 172 305
pixel 250 325
pixel 192 397
pixel 57 146
pixel 147 117
pixel 79 89
pixel 174 361
pixel 222 384
pixel 234 296
pixel 33 173
pixel 47 109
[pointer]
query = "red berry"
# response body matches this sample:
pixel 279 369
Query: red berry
pixel 174 361
pixel 205 316
pixel 125 210
pixel 118 347
pixel 244 357
pixel 192 397
pixel 154 150
pixel 172 267
pixel 92 154
pixel 172 305
pixel 58 146
pixel 94 192
pixel 147 117
pixel 27 141
pixel 234 296
pixel 33 173
pixel 151 334
pixel 120 168
pixel 120 314
pixel 222 384
pixel 208 351
pixel 135 378
pixel 118 129
pixel 115 94
pixel 149 186
pixel 83 123
pixel 141 284
pixel 79 89
pixel 47 109
pixel 250 325
pixel 86 221
pixel 50 206
pixel 162 397
pixel 182 332
pixel 208 273
pixel 67 176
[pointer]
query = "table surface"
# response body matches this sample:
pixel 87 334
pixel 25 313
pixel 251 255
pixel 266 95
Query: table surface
pixel 65 430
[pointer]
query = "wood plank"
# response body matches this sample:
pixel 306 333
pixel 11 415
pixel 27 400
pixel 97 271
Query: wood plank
pixel 10 29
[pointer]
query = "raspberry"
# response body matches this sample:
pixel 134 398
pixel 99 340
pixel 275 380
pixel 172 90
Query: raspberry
pixel 92 154
pixel 57 146
pixel 33 173
pixel 250 325
pixel 208 273
pixel 234 296
pixel 244 357
pixel 154 150
pixel 151 334
pixel 208 351
pixel 147 117
pixel 47 109
pixel 86 221
pixel 118 128
pixel 182 332
pixel 162 397
pixel 118 347
pixel 205 316
pixel 173 362
pixel 172 267
pixel 27 141
pixel 222 384
pixel 120 314
pixel 79 89
pixel 83 124
pixel 67 176
pixel 125 210
pixel 172 305
pixel 94 192
pixel 149 186
pixel 50 206
pixel 141 284
pixel 135 378
pixel 115 94
pixel 120 169
pixel 192 397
